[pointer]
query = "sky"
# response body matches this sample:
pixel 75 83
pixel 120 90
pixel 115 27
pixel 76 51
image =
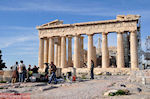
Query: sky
pixel 19 18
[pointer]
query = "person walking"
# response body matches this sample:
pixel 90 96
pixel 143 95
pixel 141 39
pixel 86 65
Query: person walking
pixel 14 74
pixel 92 70
pixel 53 75
pixel 21 70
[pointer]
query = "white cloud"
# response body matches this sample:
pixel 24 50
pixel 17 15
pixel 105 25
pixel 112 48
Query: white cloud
pixel 16 28
pixel 92 9
pixel 30 6
pixel 8 41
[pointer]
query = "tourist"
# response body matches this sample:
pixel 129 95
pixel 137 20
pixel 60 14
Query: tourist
pixel 14 74
pixel 46 69
pixel 29 72
pixel 22 71
pixel 92 70
pixel 53 75
pixel 35 69
pixel 29 68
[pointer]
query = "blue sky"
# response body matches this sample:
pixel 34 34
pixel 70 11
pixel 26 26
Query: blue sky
pixel 19 18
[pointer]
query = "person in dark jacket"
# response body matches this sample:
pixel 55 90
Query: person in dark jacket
pixel 35 69
pixel 53 75
pixel 46 69
pixel 29 73
pixel 92 70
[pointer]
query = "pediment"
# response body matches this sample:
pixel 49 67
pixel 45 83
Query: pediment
pixel 52 23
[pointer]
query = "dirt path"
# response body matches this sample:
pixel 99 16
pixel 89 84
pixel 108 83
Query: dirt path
pixel 91 89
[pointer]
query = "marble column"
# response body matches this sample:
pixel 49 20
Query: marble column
pixel 105 51
pixel 51 49
pixel 133 50
pixel 59 52
pixel 69 51
pixel 56 55
pixel 41 54
pixel 120 50
pixel 46 50
pixel 90 50
pixel 63 52
pixel 81 51
pixel 76 52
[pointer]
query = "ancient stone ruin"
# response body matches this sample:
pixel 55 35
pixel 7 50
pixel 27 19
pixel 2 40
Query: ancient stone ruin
pixel 52 46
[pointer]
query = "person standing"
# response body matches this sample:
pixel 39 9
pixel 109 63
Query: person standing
pixel 53 75
pixel 92 70
pixel 29 72
pixel 29 68
pixel 21 70
pixel 14 74
pixel 46 68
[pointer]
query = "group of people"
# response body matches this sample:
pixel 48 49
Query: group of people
pixel 20 72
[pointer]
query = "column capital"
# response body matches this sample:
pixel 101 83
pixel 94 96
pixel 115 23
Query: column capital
pixel 104 33
pixel 120 32
pixel 69 36
pixel 51 37
pixel 41 38
pixel 63 36
pixel 82 37
pixel 45 38
pixel 89 34
pixel 76 35
pixel 134 31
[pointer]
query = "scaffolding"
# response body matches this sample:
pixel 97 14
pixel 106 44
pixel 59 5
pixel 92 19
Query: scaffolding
pixel 139 43
pixel 147 44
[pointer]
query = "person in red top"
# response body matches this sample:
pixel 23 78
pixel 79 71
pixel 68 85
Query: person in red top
pixel 53 75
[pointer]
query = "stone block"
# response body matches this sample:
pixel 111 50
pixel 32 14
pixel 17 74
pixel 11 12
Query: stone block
pixel 1 72
pixel 7 76
pixel 58 72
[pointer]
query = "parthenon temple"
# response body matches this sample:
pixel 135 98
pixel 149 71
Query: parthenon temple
pixel 54 48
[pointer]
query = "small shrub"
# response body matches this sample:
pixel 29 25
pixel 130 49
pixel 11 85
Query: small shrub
pixel 120 92
pixel 100 74
pixel 112 94
pixel 83 77
pixel 1 88
pixel 3 81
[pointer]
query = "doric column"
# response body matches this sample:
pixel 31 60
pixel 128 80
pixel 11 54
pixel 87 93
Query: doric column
pixel 105 51
pixel 63 52
pixel 51 49
pixel 133 50
pixel 46 50
pixel 56 55
pixel 81 51
pixel 90 50
pixel 59 52
pixel 41 54
pixel 76 52
pixel 120 50
pixel 69 51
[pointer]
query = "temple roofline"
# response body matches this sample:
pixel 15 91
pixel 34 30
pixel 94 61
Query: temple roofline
pixel 59 24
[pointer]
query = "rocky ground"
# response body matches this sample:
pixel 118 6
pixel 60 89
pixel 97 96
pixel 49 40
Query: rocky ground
pixel 81 89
